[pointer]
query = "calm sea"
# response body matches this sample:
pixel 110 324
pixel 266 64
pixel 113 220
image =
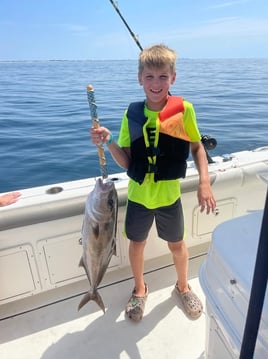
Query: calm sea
pixel 45 118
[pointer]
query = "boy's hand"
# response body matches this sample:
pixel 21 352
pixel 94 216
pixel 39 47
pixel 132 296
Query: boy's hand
pixel 99 135
pixel 206 199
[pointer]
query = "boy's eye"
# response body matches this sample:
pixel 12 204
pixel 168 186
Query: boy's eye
pixel 162 77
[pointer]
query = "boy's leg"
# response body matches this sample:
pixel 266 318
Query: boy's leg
pixel 137 225
pixel 136 303
pixel 139 220
pixel 136 258
pixel 192 304
pixel 180 258
pixel 170 226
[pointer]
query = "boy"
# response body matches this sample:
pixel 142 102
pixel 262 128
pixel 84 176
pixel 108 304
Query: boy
pixel 153 146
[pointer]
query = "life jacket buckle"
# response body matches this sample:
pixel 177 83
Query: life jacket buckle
pixel 152 151
pixel 152 168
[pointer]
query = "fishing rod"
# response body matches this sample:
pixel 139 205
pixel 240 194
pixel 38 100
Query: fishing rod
pixel 96 124
pixel 135 38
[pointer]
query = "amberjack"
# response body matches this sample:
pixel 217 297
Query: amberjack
pixel 98 236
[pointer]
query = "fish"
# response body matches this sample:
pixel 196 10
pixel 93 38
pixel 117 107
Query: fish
pixel 98 236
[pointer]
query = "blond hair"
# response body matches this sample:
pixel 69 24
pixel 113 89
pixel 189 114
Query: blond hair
pixel 157 56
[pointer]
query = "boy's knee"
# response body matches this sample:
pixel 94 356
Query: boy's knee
pixel 137 244
pixel 177 246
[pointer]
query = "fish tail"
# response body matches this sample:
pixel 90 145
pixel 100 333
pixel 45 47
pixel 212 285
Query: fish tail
pixel 92 296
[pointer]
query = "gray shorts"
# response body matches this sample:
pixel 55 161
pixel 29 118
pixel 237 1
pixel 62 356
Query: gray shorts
pixel 169 221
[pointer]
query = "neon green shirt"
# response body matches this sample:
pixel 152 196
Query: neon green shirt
pixel 161 193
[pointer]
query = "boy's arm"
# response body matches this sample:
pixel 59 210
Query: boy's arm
pixel 121 155
pixel 205 196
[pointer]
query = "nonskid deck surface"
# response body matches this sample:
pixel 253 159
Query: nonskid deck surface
pixel 59 331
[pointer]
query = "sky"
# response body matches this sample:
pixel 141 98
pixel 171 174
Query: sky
pixel 92 29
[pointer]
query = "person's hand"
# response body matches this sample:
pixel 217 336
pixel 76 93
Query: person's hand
pixel 9 198
pixel 99 135
pixel 206 199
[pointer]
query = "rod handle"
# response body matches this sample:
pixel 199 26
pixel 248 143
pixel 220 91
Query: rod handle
pixel 96 124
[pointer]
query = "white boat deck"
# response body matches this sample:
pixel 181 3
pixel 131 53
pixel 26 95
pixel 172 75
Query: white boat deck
pixel 60 331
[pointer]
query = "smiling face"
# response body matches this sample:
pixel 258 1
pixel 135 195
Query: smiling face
pixel 156 82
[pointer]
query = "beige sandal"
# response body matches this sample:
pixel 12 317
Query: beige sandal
pixel 135 306
pixel 192 304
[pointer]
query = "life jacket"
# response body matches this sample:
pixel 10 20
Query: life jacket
pixel 166 156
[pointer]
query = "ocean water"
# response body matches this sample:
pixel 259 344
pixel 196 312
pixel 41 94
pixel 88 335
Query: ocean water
pixel 45 117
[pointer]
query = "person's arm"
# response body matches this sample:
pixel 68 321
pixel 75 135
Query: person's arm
pixel 9 198
pixel 205 196
pixel 121 155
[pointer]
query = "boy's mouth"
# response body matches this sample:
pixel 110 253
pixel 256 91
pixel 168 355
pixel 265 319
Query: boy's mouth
pixel 156 91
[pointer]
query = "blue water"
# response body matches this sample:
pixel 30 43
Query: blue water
pixel 45 118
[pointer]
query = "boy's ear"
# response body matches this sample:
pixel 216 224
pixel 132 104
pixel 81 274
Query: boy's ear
pixel 173 78
pixel 140 79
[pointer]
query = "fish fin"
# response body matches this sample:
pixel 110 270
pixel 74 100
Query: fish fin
pixel 114 251
pixel 92 296
pixel 81 262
